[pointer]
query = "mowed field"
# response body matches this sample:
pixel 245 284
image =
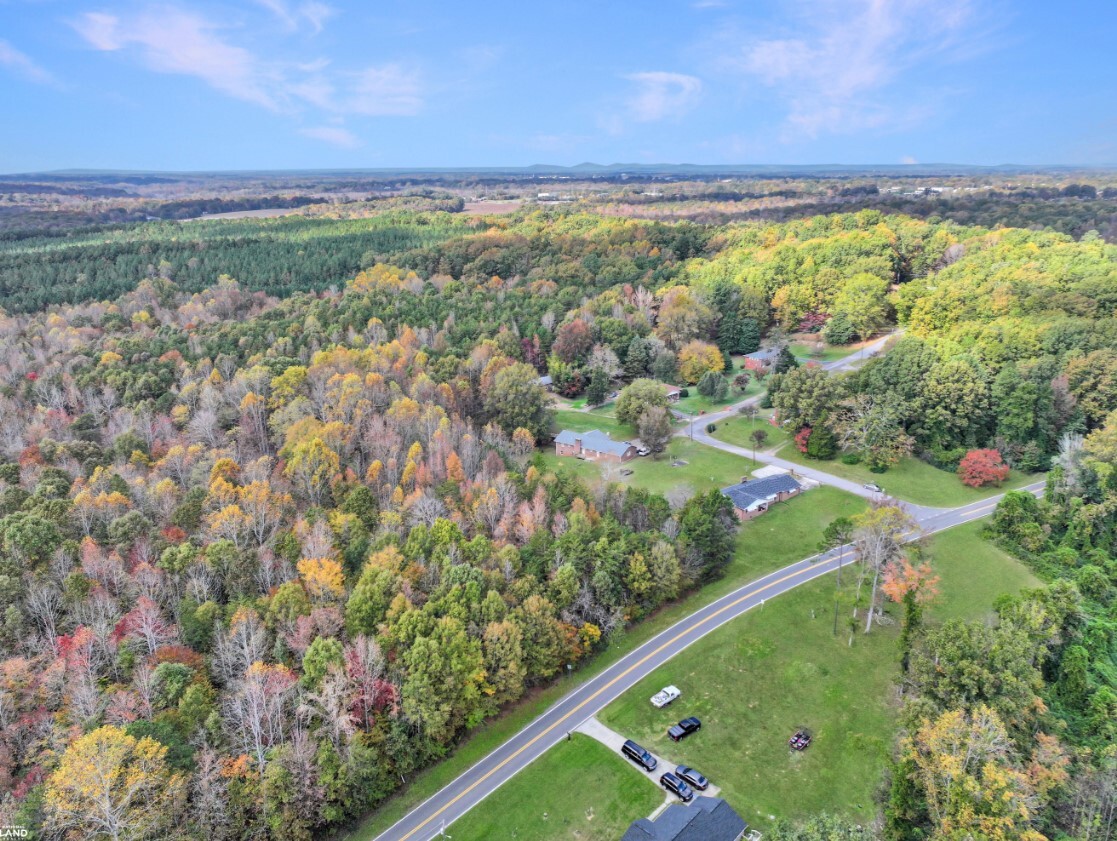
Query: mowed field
pixel 756 680
pixel 589 793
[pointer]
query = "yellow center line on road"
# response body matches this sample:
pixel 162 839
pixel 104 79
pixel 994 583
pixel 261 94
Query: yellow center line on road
pixel 607 686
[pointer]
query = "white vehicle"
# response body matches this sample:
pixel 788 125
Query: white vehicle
pixel 665 696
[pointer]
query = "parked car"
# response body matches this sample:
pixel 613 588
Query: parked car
pixel 676 786
pixel 643 451
pixel 874 487
pixel 801 740
pixel 639 755
pixel 665 696
pixel 692 778
pixel 684 728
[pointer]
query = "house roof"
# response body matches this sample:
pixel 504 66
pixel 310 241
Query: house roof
pixel 765 355
pixel 595 440
pixel 670 389
pixel 705 819
pixel 746 494
pixel 545 380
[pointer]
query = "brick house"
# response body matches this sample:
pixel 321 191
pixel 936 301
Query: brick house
pixel 751 499
pixel 673 392
pixel 594 445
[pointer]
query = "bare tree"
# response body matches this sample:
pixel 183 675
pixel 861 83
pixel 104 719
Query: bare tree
pixel 879 535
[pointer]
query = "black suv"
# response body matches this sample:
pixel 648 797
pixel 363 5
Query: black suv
pixel 638 755
pixel 684 728
pixel 676 786
pixel 692 778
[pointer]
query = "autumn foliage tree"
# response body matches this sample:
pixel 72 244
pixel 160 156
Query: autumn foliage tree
pixel 109 784
pixel 979 468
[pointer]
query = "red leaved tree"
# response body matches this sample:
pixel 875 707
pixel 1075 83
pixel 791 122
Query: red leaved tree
pixel 982 467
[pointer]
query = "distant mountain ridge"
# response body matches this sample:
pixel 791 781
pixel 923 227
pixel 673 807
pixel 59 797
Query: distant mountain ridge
pixel 587 168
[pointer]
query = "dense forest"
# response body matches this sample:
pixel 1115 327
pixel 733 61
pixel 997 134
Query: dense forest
pixel 276 532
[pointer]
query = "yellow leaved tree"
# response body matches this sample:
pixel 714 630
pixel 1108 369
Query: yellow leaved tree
pixel 110 785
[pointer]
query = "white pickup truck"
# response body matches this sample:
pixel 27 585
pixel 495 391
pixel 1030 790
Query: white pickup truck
pixel 665 696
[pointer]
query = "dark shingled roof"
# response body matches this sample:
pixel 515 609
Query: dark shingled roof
pixel 705 819
pixel 745 494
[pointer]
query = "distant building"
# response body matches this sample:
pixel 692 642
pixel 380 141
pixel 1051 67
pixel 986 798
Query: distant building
pixel 705 819
pixel 546 381
pixel 594 445
pixel 673 392
pixel 752 498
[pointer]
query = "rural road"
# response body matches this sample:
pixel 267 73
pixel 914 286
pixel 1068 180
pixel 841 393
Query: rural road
pixel 428 819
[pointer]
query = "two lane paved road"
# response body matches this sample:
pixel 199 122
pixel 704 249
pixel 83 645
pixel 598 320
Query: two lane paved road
pixel 443 808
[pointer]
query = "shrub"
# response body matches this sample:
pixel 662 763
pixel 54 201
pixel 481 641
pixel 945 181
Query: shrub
pixel 851 458
pixel 711 427
pixel 802 439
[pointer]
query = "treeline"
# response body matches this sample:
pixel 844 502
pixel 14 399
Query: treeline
pixel 279 256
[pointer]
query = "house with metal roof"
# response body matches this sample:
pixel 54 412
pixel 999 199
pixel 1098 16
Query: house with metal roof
pixel 765 356
pixel 705 819
pixel 594 445
pixel 752 498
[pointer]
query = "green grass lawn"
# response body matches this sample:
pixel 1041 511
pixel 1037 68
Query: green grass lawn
pixel 585 421
pixel 804 352
pixel 756 680
pixel 788 532
pixel 737 430
pixel 973 573
pixel 696 403
pixel 912 480
pixel 705 468
pixel 577 790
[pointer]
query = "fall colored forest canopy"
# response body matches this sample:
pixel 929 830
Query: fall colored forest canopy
pixel 276 531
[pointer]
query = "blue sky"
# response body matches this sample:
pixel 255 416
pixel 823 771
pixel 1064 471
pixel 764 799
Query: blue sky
pixel 260 84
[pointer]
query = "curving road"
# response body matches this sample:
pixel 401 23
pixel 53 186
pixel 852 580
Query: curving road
pixel 429 818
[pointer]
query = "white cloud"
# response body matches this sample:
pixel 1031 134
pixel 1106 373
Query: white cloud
pixel 836 70
pixel 171 40
pixel 389 90
pixel 174 41
pixel 333 134
pixel 312 13
pixel 23 65
pixel 660 94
